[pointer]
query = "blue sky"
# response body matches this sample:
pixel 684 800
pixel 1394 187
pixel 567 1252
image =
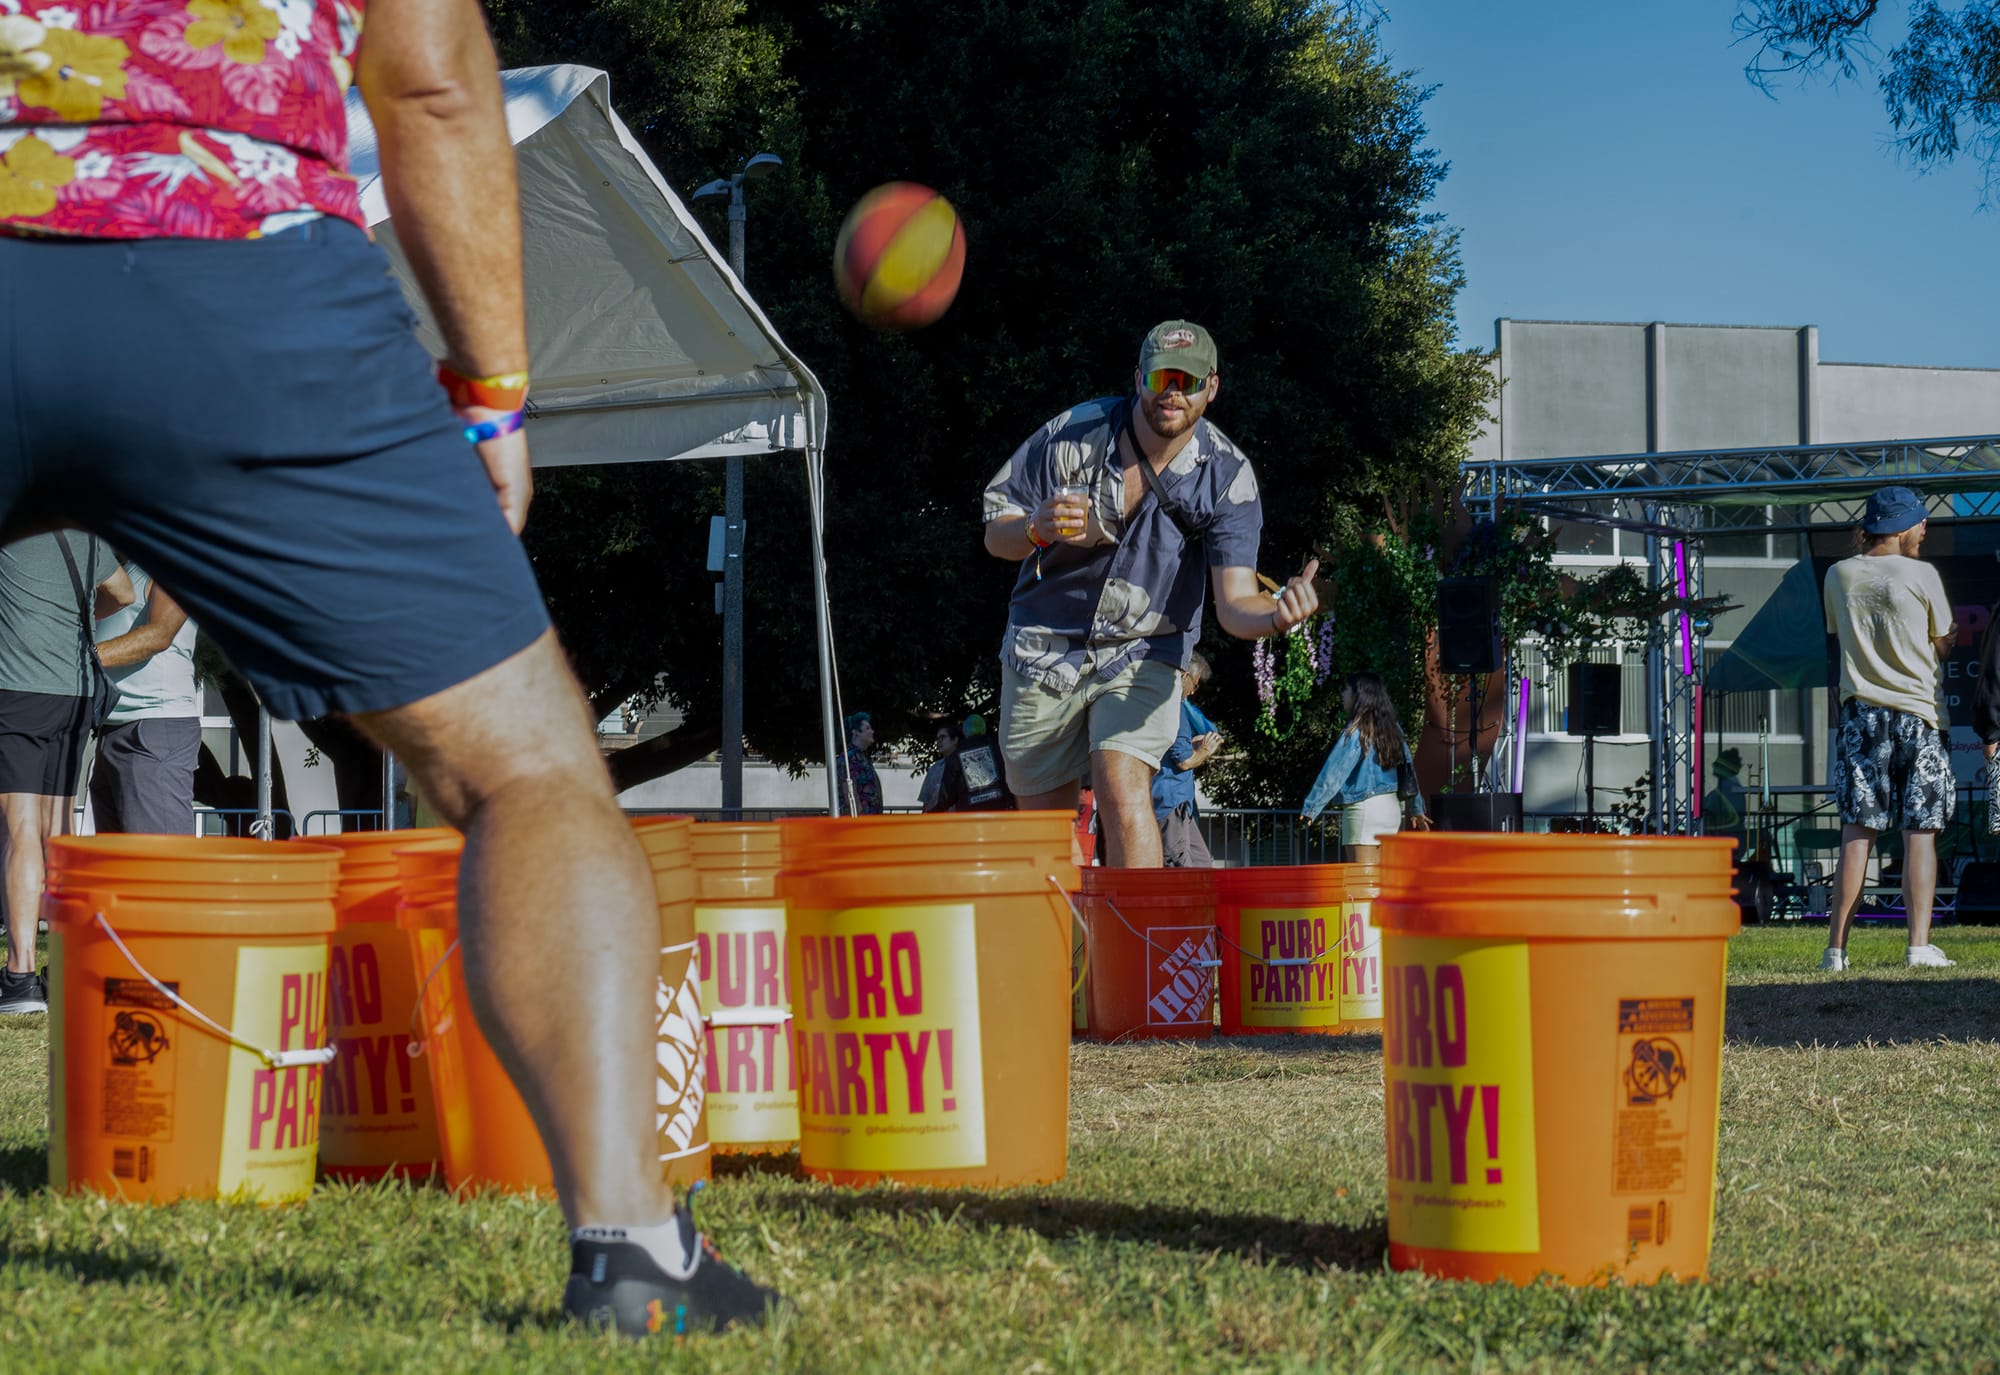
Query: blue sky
pixel 1609 161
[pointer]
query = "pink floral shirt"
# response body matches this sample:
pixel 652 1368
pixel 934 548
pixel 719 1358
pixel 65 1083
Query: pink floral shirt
pixel 193 119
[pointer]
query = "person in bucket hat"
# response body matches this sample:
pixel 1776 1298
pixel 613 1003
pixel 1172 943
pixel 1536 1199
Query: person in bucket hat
pixel 1126 514
pixel 1895 626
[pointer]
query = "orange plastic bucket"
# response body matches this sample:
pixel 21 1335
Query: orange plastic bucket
pixel 927 957
pixel 680 1103
pixel 739 925
pixel 486 1139
pixel 1152 953
pixel 1361 952
pixel 1281 929
pixel 205 1084
pixel 1552 1052
pixel 376 1112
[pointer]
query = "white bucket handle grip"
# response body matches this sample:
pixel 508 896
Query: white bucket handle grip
pixel 276 1059
pixel 747 1016
pixel 415 1048
pixel 1084 968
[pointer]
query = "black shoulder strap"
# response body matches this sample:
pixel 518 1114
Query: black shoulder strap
pixel 1171 508
pixel 76 580
pixel 86 622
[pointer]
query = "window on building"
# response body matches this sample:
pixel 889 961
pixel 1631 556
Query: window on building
pixel 1753 541
pixel 1739 715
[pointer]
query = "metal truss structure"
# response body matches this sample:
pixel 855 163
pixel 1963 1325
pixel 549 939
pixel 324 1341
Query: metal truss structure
pixel 1675 499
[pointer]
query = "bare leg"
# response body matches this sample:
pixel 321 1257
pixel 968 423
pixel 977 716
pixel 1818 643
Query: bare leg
pixel 1857 843
pixel 1125 798
pixel 1364 854
pixel 30 819
pixel 1919 883
pixel 558 917
pixel 1061 799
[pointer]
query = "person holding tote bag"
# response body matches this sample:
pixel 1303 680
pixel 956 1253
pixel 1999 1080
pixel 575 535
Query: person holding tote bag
pixel 1368 773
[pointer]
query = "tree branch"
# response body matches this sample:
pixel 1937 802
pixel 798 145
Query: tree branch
pixel 663 754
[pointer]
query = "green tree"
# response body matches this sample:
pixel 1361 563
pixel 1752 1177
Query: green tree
pixel 1940 84
pixel 1255 165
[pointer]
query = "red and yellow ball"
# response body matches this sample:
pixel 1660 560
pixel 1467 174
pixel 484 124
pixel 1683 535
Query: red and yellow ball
pixel 900 256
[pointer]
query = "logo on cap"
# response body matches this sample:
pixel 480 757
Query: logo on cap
pixel 1177 339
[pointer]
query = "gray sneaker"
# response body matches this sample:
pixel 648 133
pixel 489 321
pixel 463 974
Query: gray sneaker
pixel 1833 961
pixel 22 993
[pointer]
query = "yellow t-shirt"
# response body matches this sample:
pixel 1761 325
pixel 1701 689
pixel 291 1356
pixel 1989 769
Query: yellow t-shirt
pixel 1887 610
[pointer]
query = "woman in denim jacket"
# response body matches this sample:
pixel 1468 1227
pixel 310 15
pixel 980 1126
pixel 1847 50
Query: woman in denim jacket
pixel 1360 775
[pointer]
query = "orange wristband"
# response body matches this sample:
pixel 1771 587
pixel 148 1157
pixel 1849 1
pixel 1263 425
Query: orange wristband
pixel 507 391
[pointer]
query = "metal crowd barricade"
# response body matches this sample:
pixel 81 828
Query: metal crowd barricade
pixel 319 822
pixel 239 822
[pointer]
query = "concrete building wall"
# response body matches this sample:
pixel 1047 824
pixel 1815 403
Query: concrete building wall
pixel 1860 401
pixel 1727 388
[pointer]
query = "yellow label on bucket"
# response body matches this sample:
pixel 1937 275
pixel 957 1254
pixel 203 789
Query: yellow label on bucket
pixel 270 1122
pixel 886 1038
pixel 1360 964
pixel 1288 970
pixel 752 1088
pixel 1458 1069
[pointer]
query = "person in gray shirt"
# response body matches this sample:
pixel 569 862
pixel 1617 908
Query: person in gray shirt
pixel 52 589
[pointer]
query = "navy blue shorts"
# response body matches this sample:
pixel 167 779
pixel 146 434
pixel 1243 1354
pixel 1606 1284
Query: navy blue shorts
pixel 257 426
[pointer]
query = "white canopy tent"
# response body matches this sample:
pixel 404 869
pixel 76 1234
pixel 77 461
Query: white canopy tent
pixel 645 346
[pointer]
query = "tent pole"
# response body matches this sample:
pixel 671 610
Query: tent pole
pixel 823 621
pixel 265 826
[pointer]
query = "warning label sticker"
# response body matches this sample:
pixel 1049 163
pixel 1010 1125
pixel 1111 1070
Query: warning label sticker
pixel 140 1063
pixel 1655 1043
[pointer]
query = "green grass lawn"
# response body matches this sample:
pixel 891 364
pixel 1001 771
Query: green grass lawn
pixel 1223 1211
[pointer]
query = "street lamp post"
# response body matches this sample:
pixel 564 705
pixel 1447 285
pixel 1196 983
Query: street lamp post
pixel 762 164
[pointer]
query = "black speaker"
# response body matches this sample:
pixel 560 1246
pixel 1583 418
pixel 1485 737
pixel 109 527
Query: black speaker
pixel 1476 811
pixel 1469 625
pixel 1595 698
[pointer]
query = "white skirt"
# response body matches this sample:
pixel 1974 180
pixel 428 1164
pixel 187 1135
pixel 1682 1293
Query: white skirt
pixel 1367 821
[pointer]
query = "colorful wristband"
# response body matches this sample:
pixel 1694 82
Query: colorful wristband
pixel 493 429
pixel 1036 539
pixel 507 391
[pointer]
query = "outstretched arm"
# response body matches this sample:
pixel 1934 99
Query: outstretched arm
pixel 1244 610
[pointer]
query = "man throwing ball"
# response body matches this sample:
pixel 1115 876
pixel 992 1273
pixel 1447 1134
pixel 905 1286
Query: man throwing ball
pixel 1122 512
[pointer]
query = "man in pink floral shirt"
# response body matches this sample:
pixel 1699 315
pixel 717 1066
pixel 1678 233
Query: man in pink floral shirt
pixel 204 360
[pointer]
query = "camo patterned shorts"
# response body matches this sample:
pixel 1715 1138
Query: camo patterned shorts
pixel 1891 764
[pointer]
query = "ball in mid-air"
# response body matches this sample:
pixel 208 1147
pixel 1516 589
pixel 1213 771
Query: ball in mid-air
pixel 899 257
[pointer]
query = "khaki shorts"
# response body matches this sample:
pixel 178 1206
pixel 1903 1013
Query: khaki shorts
pixel 1047 736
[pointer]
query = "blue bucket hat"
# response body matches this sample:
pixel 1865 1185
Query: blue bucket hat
pixel 1892 510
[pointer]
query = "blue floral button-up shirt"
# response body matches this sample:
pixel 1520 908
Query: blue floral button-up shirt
pixel 1135 594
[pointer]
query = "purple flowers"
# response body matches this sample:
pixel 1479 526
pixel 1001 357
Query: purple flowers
pixel 1323 661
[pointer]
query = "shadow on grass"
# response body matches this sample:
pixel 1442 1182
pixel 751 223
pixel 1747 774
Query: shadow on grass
pixel 1288 1241
pixel 1848 1011
pixel 24 1169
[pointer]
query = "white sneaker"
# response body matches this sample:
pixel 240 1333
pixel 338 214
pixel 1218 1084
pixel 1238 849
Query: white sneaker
pixel 1834 961
pixel 1927 957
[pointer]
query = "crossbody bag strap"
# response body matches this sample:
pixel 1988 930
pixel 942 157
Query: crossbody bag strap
pixel 93 667
pixel 84 618
pixel 1172 509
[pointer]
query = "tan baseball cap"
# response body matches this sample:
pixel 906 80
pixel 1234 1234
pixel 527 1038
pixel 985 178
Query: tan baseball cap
pixel 1178 344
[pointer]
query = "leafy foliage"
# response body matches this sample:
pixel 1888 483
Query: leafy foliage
pixel 1383 608
pixel 1940 84
pixel 1255 165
